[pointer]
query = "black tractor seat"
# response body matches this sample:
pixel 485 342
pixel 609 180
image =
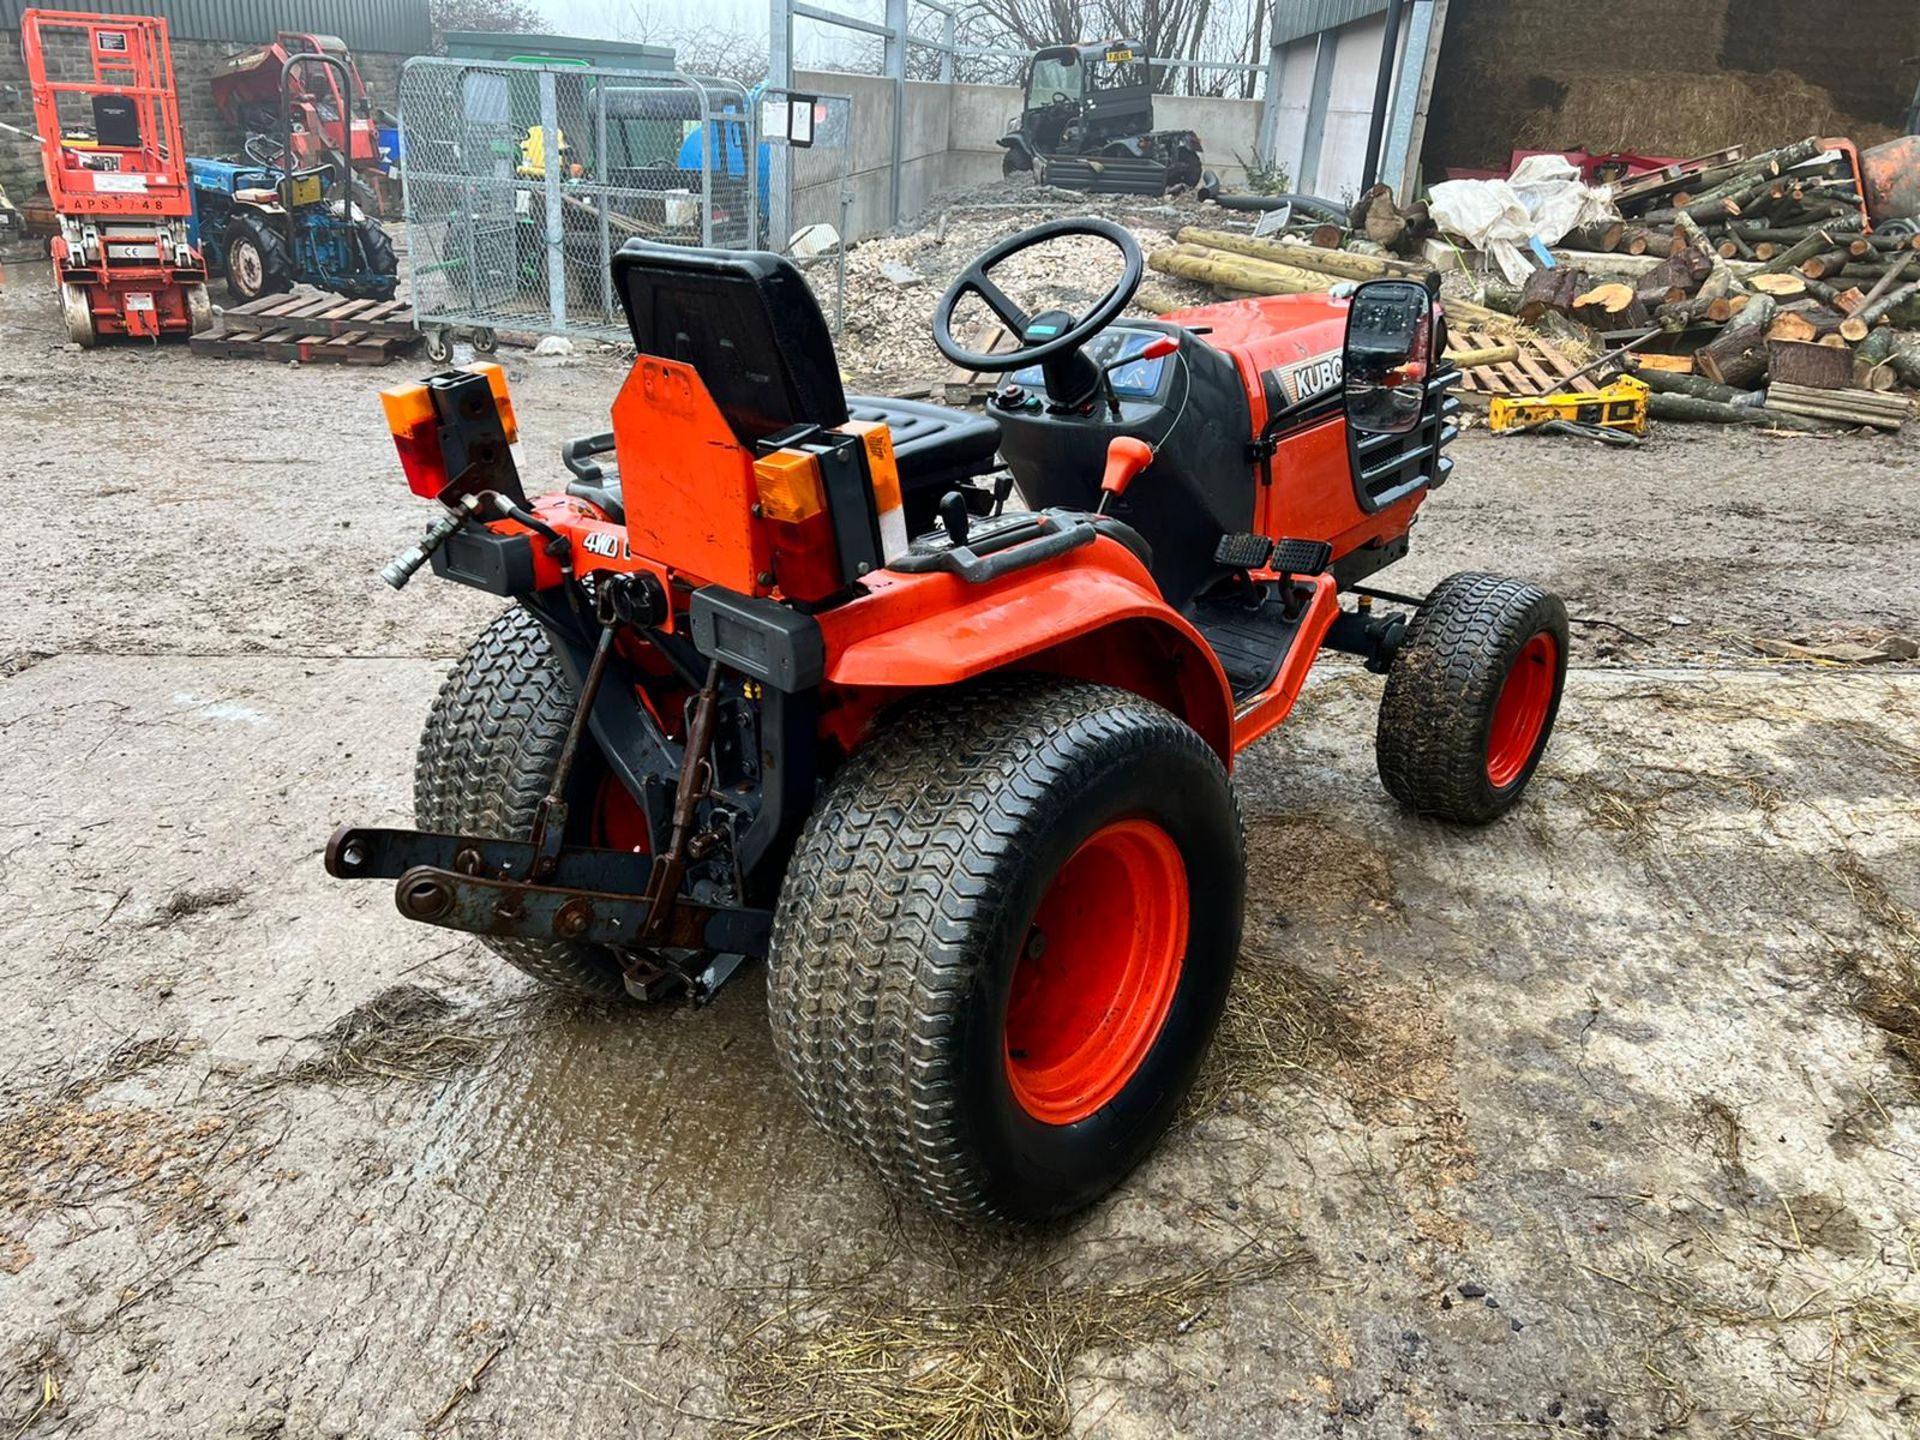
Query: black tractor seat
pixel 936 447
pixel 747 321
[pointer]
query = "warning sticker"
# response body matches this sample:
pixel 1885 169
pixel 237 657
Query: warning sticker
pixel 105 184
pixel 139 300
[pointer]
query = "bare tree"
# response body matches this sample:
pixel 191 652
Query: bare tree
pixel 712 51
pixel 1231 31
pixel 512 16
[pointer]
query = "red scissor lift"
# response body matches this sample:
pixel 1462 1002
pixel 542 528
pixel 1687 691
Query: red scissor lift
pixel 123 257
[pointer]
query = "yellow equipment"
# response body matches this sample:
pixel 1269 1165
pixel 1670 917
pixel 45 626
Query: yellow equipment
pixel 1622 405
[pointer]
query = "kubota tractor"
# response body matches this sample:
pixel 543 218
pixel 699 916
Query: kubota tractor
pixel 798 680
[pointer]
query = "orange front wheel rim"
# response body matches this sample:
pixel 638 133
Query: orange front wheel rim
pixel 1520 714
pixel 1097 973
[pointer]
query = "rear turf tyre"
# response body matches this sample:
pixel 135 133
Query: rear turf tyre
pixel 1004 942
pixel 1472 696
pixel 1016 162
pixel 257 260
pixel 487 756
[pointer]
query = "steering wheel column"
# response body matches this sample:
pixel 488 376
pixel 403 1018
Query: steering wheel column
pixel 1054 339
pixel 1071 378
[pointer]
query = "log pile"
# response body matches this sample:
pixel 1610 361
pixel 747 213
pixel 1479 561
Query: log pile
pixel 1765 267
pixel 1725 279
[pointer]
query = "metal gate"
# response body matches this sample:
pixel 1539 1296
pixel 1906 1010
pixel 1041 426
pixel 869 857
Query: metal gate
pixel 521 181
pixel 815 134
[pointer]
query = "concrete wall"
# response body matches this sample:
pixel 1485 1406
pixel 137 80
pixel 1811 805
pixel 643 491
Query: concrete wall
pixel 949 143
pixel 193 65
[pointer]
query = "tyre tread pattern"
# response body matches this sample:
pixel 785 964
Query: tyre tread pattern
pixel 486 757
pixel 883 923
pixel 1446 679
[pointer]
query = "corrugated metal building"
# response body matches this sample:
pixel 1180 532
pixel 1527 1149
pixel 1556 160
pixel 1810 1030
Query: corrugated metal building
pixel 393 27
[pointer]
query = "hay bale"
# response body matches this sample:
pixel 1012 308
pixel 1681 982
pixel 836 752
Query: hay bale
pixel 1688 113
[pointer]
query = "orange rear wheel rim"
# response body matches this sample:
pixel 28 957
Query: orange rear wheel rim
pixel 618 821
pixel 1097 973
pixel 1520 713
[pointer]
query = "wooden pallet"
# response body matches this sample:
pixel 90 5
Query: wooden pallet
pixel 1540 370
pixel 1670 178
pixel 323 315
pixel 355 347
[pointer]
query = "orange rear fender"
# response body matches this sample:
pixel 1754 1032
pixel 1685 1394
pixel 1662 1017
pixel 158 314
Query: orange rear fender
pixel 1094 613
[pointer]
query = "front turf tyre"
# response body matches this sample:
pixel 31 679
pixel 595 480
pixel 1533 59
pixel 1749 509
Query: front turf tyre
pixel 487 756
pixel 1471 697
pixel 1004 942
pixel 1016 161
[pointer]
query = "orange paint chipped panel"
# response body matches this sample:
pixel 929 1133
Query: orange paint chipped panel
pixel 688 486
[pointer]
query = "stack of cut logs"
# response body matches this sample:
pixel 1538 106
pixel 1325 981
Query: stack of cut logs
pixel 1728 272
pixel 1756 268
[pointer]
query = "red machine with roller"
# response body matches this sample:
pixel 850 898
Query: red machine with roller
pixel 788 673
pixel 332 117
pixel 108 120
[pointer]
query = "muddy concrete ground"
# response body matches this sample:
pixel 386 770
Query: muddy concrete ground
pixel 1602 1121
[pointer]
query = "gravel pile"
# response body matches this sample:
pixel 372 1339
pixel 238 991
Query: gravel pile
pixel 893 283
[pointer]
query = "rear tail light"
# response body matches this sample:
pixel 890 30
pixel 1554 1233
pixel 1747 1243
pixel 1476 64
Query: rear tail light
pixel 830 500
pixel 793 503
pixel 415 428
pixel 418 413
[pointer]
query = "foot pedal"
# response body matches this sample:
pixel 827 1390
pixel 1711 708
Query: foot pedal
pixel 1242 552
pixel 1302 557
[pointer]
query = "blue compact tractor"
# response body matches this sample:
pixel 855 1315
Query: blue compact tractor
pixel 267 230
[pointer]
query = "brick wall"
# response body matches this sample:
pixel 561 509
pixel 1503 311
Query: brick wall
pixel 193 65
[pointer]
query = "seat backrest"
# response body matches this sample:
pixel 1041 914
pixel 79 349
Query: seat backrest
pixel 115 123
pixel 746 321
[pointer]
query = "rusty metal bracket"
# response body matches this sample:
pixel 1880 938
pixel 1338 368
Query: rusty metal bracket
pixel 483 905
pixel 596 896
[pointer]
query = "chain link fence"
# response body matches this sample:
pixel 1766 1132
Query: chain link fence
pixel 814 132
pixel 521 181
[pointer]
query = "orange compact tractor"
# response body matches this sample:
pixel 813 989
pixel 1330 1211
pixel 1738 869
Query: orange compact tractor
pixel 787 674
pixel 109 129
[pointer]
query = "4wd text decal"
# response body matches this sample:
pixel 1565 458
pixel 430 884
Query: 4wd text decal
pixel 603 543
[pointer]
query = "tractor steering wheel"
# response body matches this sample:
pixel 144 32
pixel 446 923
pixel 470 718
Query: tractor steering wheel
pixel 264 151
pixel 975 280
